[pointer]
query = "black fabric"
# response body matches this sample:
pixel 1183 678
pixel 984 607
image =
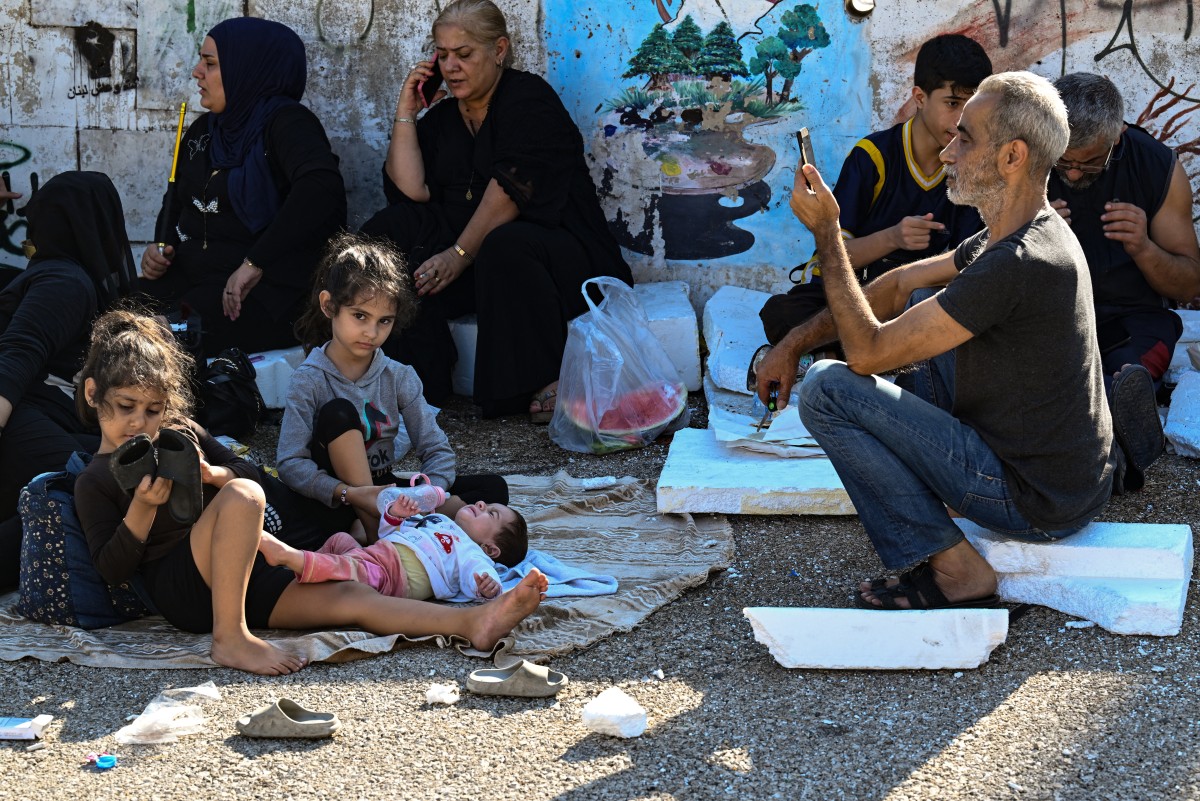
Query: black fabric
pixel 82 266
pixel 1139 173
pixel 230 403
pixel 77 216
pixel 525 281
pixel 210 245
pixel 263 69
pixel 178 591
pixel 781 313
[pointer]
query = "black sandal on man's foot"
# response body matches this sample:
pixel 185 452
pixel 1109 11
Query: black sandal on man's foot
pixel 921 591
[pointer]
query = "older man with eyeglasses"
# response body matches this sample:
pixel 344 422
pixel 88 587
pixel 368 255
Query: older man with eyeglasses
pixel 1129 202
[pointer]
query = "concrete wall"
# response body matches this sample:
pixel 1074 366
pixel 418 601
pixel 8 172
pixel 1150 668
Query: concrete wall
pixel 695 175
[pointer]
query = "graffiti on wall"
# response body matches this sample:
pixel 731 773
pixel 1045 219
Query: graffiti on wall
pixel 12 219
pixel 103 63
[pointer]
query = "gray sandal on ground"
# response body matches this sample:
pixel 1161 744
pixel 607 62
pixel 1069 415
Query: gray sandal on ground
pixel 522 680
pixel 287 719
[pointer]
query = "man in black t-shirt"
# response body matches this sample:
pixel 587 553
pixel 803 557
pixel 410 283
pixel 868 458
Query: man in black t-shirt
pixel 1026 448
pixel 1129 202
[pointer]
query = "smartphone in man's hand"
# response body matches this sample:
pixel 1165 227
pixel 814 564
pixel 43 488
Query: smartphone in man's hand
pixel 806 151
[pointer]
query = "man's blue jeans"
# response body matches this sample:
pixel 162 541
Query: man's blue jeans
pixel 903 460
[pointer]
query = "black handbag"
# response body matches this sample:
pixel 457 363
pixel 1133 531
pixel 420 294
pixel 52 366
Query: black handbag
pixel 229 401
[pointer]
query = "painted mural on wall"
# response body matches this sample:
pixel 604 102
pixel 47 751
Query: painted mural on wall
pixel 691 112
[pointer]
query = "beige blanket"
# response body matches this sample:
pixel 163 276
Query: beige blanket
pixel 610 526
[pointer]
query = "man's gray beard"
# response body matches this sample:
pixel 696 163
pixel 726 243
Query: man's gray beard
pixel 989 200
pixel 1083 183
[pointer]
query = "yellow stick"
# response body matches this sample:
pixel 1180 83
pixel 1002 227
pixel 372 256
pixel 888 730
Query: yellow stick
pixel 178 139
pixel 175 159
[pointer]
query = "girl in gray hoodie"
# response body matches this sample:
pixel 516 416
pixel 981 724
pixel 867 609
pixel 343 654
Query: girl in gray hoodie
pixel 352 412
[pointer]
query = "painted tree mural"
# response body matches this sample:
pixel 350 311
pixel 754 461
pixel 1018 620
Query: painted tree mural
pixel 657 57
pixel 772 59
pixel 688 40
pixel 720 54
pixel 801 32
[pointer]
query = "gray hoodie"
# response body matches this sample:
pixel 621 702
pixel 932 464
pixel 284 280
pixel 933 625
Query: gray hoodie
pixel 393 411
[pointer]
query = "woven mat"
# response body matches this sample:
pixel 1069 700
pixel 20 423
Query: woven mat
pixel 608 525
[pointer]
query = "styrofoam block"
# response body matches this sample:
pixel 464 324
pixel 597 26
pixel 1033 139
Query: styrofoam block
pixel 615 713
pixel 858 639
pixel 1183 420
pixel 732 332
pixel 1180 363
pixel 464 331
pixel 1120 605
pixel 673 323
pixel 1100 550
pixel 273 372
pixel 701 476
pixel 1130 578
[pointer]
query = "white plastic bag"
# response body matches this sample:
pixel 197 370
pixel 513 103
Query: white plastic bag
pixel 617 388
pixel 169 716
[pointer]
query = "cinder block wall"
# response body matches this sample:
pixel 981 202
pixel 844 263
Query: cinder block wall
pixel 695 176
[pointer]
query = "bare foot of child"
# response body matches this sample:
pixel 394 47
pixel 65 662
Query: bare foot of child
pixel 498 617
pixel 280 553
pixel 253 655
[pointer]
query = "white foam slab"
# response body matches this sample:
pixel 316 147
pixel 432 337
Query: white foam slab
pixel 702 476
pixel 862 639
pixel 1183 419
pixel 732 332
pixel 273 372
pixel 1130 578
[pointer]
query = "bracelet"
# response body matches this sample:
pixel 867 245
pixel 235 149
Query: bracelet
pixel 458 249
pixel 252 265
pixel 409 120
pixel 342 497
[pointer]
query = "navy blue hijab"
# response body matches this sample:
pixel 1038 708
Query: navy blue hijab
pixel 263 69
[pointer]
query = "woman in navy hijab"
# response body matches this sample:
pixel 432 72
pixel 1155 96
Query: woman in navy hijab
pixel 258 193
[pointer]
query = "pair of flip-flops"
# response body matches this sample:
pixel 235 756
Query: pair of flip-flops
pixel 1136 426
pixel 175 457
pixel 287 719
pixel 917 586
pixel 521 680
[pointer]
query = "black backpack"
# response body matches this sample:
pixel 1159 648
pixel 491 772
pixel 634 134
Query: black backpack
pixel 229 403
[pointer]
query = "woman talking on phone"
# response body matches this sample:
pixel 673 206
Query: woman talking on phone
pixel 493 205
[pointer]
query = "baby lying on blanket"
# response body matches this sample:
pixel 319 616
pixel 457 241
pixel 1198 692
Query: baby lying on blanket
pixel 417 556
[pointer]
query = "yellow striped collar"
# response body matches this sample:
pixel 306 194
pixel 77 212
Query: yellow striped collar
pixel 914 169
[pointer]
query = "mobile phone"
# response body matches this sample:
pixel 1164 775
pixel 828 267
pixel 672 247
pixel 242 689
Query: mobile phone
pixel 806 151
pixel 429 87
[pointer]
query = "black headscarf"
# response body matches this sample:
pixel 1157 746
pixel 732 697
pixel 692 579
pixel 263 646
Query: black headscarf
pixel 78 216
pixel 263 69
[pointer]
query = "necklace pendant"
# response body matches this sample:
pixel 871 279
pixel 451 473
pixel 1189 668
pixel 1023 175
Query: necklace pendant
pixel 469 195
pixel 204 246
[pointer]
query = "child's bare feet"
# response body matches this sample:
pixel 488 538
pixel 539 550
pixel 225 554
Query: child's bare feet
pixel 498 617
pixel 253 655
pixel 280 553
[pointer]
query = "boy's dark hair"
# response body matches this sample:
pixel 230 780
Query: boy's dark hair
pixel 356 267
pixel 954 59
pixel 131 349
pixel 513 541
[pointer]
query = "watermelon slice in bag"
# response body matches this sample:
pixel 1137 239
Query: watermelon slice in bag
pixel 637 418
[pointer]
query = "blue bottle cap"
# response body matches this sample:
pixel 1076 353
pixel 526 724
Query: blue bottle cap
pixel 106 761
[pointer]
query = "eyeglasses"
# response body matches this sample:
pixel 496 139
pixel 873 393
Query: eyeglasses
pixel 1062 165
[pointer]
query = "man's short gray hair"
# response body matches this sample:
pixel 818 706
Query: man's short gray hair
pixel 1027 108
pixel 1094 106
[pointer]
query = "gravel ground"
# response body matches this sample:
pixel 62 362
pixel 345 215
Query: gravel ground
pixel 1058 713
